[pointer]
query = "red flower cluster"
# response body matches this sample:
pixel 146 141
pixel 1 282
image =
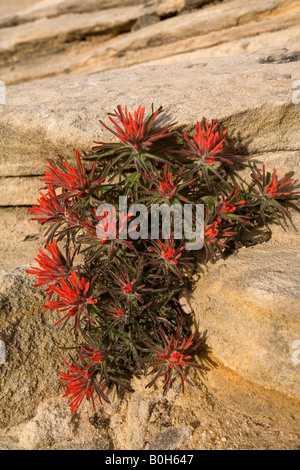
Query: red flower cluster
pixel 168 254
pixel 170 186
pixel 213 231
pixel 80 384
pixel 227 207
pixel 49 209
pixel 270 187
pixel 207 144
pixel 271 191
pixel 116 312
pixel 167 188
pixel 172 357
pixel 93 355
pixel 139 280
pixel 136 134
pixel 127 285
pixel 51 269
pixel 73 181
pixel 73 298
pixel 212 235
pixel 107 230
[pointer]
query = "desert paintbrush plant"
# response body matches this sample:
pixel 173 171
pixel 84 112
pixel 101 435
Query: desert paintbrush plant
pixel 118 294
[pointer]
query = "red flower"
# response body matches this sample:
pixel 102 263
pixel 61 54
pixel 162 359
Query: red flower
pixel 117 312
pixel 80 384
pixel 73 294
pixel 269 186
pixel 49 209
pixel 212 234
pixel 168 253
pixel 228 206
pixel 127 285
pixel 74 181
pixel 108 231
pixel 135 132
pixel 212 231
pixel 51 269
pixel 170 185
pixel 207 144
pixel 167 187
pixel 274 187
pixel 129 289
pixel 106 228
pixel 172 357
pixel 271 190
pixel 94 355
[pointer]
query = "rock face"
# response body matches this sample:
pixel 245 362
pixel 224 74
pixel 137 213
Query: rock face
pixel 42 39
pixel 250 305
pixel 248 302
pixel 33 354
pixel 251 95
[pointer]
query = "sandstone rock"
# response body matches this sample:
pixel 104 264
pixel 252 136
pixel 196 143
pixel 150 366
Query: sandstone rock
pixel 53 426
pixel 23 11
pixel 197 24
pixel 185 301
pixel 20 238
pixel 252 98
pixel 71 37
pixel 33 348
pixel 243 39
pixel 33 357
pixel 171 439
pixel 2 352
pixel 250 305
pixel 70 27
pixel 206 417
pixel 19 191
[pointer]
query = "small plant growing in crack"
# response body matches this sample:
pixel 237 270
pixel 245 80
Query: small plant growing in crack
pixel 115 285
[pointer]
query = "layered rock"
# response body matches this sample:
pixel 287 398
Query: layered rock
pixel 67 37
pixel 251 95
pixel 33 355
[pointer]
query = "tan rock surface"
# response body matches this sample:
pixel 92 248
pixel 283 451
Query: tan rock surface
pixel 250 95
pixel 33 357
pixel 19 191
pixel 250 305
pixel 208 416
pixel 63 38
pixel 23 11
pixel 197 30
pixel 234 41
pixel 20 238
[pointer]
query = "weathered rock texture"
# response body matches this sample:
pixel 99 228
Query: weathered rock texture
pixel 252 95
pixel 42 39
pixel 250 305
pixel 249 302
pixel 32 343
